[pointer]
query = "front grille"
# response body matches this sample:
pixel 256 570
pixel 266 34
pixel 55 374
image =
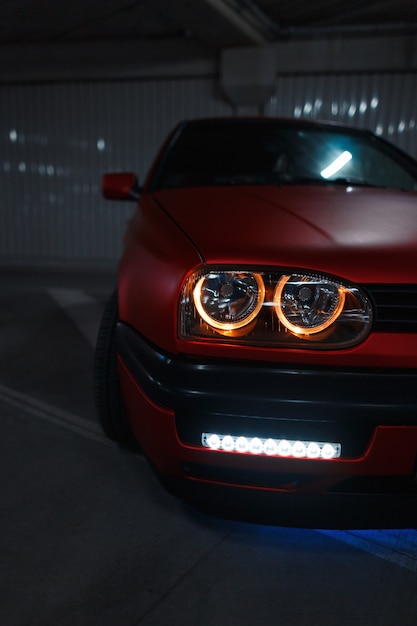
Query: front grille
pixel 395 307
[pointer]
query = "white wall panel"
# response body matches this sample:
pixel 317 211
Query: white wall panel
pixel 56 142
pixel 384 103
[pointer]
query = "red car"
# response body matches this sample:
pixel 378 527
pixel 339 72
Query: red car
pixel 261 346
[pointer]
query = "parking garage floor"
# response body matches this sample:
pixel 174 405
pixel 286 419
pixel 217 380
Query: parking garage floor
pixel 88 536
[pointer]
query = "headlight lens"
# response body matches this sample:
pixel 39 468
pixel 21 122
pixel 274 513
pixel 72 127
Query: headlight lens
pixel 307 304
pixel 229 300
pixel 283 309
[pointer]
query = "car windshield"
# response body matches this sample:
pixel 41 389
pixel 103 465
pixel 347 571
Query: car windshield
pixel 260 152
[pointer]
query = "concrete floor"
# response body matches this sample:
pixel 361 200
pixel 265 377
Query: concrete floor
pixel 89 537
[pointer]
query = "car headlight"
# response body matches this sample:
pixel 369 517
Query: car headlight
pixel 229 300
pixel 284 309
pixel 308 304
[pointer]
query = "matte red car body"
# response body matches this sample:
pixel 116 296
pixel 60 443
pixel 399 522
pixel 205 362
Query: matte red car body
pixel 373 244
pixel 371 238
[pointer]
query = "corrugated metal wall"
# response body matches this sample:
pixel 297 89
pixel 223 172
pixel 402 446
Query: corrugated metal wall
pixel 57 140
pixel 385 103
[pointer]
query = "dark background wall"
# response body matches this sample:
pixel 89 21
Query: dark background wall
pixel 66 118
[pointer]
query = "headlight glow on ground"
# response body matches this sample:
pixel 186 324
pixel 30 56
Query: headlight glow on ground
pixel 259 446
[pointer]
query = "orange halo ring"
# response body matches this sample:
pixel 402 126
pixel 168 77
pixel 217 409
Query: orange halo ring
pixel 298 330
pixel 229 325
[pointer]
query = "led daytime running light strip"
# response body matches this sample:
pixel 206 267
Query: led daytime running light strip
pixel 272 447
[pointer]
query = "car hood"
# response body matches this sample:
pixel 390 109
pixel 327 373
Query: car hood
pixel 365 234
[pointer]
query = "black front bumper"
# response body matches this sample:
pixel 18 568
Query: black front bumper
pixel 270 399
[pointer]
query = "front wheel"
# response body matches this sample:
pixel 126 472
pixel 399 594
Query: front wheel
pixel 108 401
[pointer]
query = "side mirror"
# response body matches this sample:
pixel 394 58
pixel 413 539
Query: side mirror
pixel 123 186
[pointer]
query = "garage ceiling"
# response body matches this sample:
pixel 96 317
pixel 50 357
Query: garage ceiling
pixel 216 23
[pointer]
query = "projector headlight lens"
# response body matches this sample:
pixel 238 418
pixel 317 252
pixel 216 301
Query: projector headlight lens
pixel 229 300
pixel 308 304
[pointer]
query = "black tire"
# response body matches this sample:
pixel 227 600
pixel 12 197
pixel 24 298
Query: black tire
pixel 109 406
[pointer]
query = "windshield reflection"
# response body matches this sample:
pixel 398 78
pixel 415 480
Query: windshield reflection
pixel 259 152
